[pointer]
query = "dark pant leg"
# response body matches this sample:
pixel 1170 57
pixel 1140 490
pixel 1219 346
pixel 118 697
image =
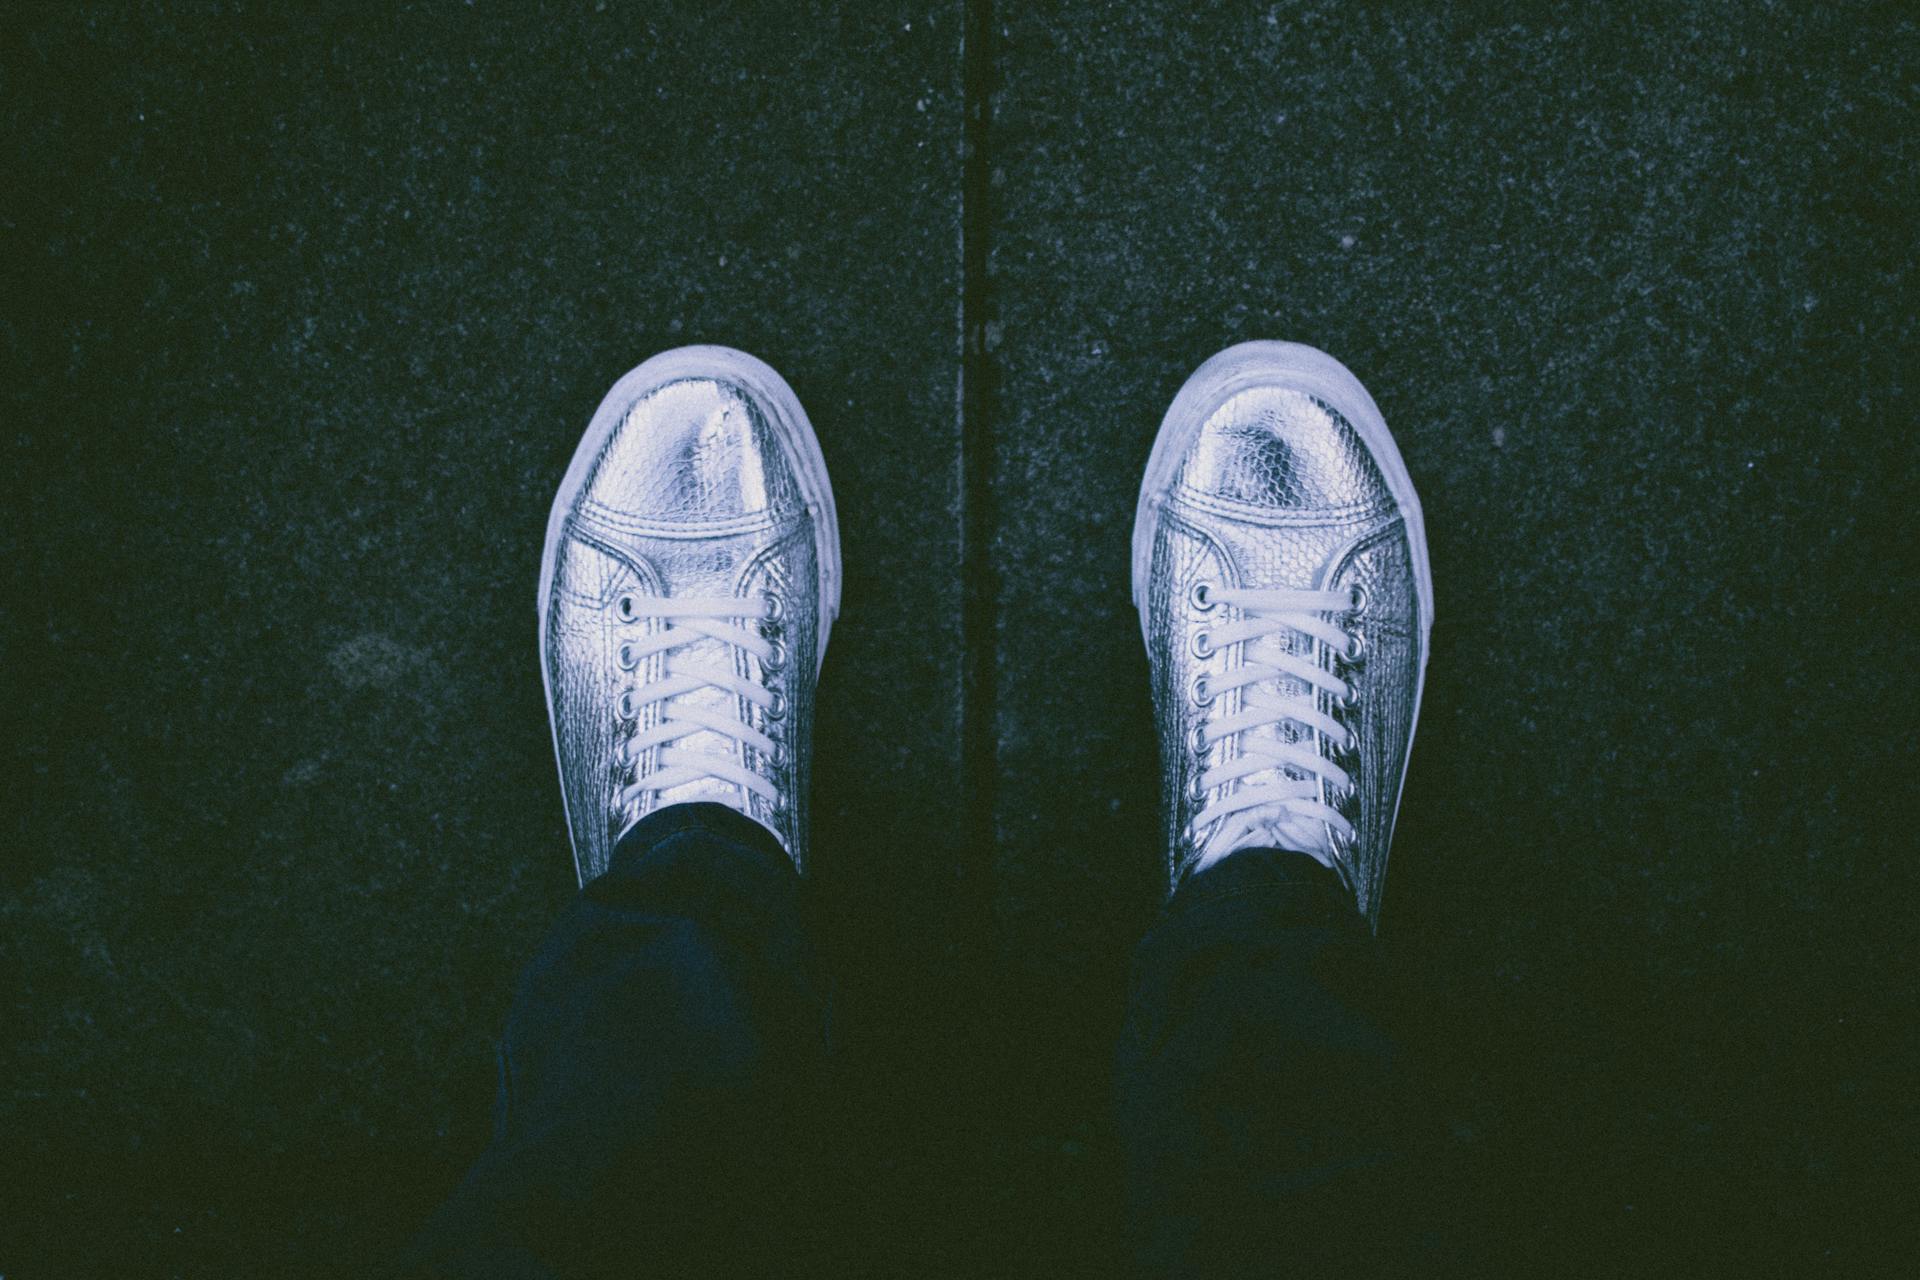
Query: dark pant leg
pixel 1259 1110
pixel 663 1053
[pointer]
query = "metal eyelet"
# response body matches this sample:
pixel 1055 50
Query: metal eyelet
pixel 1356 599
pixel 1352 744
pixel 627 607
pixel 1356 649
pixel 777 709
pixel 777 659
pixel 1195 791
pixel 778 756
pixel 1203 645
pixel 1349 701
pixel 626 657
pixel 1201 596
pixel 626 708
pixel 1200 691
pixel 774 607
pixel 1197 740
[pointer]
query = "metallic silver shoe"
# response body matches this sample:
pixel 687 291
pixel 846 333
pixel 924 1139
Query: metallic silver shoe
pixel 1280 569
pixel 691 574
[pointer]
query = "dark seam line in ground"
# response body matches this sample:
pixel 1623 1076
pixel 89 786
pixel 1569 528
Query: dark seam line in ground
pixel 980 592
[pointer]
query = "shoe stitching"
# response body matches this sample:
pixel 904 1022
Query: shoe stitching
pixel 593 513
pixel 1269 518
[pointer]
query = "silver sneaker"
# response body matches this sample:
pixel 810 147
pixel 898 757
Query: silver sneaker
pixel 691 574
pixel 1280 569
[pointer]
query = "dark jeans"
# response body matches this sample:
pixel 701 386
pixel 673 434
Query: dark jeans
pixel 1262 1115
pixel 667 1044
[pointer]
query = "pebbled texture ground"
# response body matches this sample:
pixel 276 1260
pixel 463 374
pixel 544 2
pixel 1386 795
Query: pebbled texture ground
pixel 304 317
pixel 301 318
pixel 1634 289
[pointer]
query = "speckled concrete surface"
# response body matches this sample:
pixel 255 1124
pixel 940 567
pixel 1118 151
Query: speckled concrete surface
pixel 1635 290
pixel 301 319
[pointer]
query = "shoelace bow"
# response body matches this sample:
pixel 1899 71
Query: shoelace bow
pixel 691 619
pixel 1281 688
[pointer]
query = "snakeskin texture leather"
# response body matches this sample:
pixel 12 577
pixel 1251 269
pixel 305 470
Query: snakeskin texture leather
pixel 693 492
pixel 1273 488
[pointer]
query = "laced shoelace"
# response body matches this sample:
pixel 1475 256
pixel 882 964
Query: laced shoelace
pixel 691 619
pixel 1281 688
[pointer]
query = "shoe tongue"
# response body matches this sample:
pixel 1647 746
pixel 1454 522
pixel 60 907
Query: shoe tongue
pixel 711 655
pixel 1268 829
pixel 1273 826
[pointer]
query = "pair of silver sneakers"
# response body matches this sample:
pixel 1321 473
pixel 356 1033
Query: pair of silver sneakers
pixel 692 573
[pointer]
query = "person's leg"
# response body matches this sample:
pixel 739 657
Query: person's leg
pixel 662 1049
pixel 1280 571
pixel 670 1028
pixel 1258 1106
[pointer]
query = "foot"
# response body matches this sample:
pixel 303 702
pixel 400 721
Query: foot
pixel 691 573
pixel 1280 570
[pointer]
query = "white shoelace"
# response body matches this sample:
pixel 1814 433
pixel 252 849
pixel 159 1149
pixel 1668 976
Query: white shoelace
pixel 691 619
pixel 1281 688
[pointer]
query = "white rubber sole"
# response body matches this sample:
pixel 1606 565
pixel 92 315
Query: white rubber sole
pixel 771 392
